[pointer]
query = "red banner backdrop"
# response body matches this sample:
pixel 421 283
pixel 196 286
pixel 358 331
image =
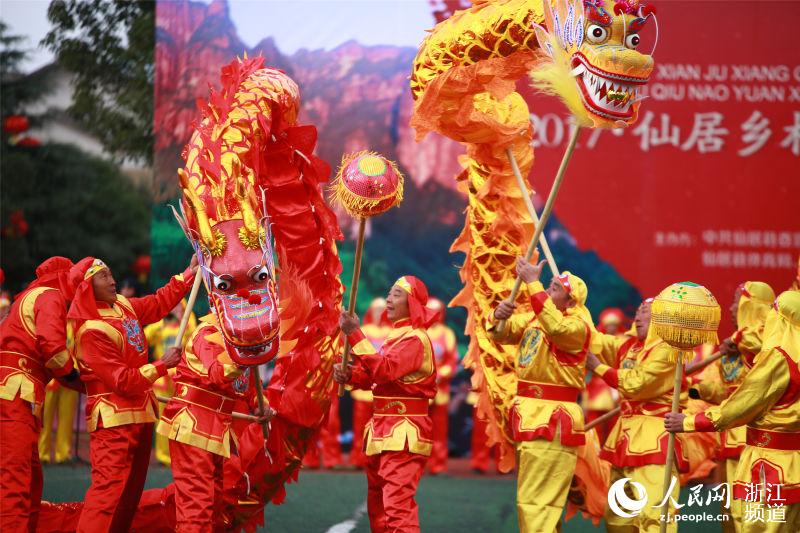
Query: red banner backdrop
pixel 705 187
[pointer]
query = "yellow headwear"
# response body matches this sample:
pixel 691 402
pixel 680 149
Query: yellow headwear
pixel 782 327
pixel 757 297
pixel 578 291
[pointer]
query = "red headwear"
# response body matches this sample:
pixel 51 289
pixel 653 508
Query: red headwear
pixel 612 315
pixel 421 316
pixel 54 272
pixel 84 305
pixel 438 306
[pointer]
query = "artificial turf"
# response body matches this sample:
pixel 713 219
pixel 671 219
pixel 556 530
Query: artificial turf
pixel 323 499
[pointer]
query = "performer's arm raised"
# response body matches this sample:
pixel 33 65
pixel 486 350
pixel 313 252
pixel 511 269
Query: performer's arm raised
pixel 154 307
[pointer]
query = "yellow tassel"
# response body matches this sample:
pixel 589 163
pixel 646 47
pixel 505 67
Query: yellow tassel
pixel 359 206
pixel 686 315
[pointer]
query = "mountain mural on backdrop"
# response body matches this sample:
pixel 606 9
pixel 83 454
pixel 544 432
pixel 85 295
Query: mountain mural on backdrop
pixel 358 98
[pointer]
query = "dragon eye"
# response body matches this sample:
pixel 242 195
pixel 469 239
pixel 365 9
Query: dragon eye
pixel 596 34
pixel 632 41
pixel 222 283
pixel 262 274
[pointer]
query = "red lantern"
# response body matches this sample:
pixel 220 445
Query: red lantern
pixel 15 124
pixel 141 266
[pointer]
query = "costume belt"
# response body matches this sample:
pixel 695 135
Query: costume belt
pixel 32 367
pixel 547 391
pixel 210 400
pixel 395 406
pixel 633 407
pixel 775 440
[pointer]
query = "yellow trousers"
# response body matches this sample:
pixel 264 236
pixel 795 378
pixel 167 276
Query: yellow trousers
pixel 545 471
pixel 734 524
pixel 63 401
pixel 649 519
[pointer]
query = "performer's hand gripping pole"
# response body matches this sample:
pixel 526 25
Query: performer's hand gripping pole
pixel 353 292
pixel 548 208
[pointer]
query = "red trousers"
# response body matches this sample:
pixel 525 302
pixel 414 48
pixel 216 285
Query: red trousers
pixel 199 497
pixel 438 460
pixel 120 457
pixel 331 452
pixel 392 479
pixel 20 469
pixel 362 412
pixel 480 450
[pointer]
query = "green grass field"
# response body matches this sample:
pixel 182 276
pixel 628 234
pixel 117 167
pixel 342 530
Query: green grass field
pixel 322 499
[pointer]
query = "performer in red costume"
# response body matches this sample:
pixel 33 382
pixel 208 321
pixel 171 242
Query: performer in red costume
pixel 197 422
pixel 445 348
pixel 33 349
pixel 376 327
pixel 120 408
pixel 326 450
pixel 402 377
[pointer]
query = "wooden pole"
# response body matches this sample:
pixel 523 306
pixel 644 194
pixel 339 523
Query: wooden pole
pixel 602 418
pixel 188 311
pixel 676 399
pixel 260 398
pixel 351 308
pixel 700 365
pixel 548 208
pixel 240 416
pixel 523 188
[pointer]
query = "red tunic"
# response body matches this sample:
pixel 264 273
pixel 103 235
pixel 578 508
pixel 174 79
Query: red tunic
pixel 112 355
pixel 402 377
pixel 207 386
pixel 33 346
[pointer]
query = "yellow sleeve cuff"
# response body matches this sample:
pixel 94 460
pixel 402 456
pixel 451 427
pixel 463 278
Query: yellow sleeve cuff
pixel 534 287
pixel 688 424
pixel 601 369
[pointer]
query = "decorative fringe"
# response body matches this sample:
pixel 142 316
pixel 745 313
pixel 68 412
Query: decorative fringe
pixel 686 315
pixel 358 206
pixel 553 76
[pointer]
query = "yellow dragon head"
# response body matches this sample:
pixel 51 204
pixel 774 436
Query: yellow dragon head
pixel 592 61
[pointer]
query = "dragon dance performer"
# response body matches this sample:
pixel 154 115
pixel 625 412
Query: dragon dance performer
pixel 33 348
pixel 120 409
pixel 641 368
pixel 161 337
pixel 445 348
pixel 60 404
pixel 751 303
pixel 402 376
pixel 768 402
pixel 376 327
pixel 197 422
pixel 546 421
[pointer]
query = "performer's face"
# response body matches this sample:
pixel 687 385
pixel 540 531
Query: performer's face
pixel 561 298
pixel 735 307
pixel 642 321
pixel 105 288
pixel 397 304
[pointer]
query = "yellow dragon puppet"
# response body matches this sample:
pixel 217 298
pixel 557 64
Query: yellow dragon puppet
pixel 463 81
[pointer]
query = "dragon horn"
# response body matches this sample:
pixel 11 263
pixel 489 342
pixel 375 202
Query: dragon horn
pixel 248 213
pixel 203 224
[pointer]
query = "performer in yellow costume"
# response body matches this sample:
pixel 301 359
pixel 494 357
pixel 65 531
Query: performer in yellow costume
pixel 546 421
pixel 641 368
pixel 63 402
pixel 160 337
pixel 768 403
pixel 751 303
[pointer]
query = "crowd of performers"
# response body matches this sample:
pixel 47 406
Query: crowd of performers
pixel 70 325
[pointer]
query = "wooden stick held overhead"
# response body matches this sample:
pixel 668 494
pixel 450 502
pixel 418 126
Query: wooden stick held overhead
pixel 351 308
pixel 187 312
pixel 531 210
pixel 548 208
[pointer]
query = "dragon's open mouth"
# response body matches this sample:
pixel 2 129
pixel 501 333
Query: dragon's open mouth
pixel 255 351
pixel 605 93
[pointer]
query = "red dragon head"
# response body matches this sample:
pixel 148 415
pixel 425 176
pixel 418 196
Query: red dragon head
pixel 224 206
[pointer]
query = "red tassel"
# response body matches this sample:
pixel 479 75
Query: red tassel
pixel 254 299
pixel 243 293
